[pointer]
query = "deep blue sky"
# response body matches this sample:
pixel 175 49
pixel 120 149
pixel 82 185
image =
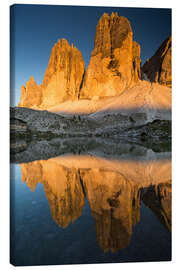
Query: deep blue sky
pixel 38 27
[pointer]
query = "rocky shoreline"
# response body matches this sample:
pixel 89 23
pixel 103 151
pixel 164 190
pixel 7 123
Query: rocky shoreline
pixel 32 127
pixel 29 122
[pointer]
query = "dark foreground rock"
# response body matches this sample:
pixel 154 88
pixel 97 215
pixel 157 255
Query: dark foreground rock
pixel 35 123
pixel 43 123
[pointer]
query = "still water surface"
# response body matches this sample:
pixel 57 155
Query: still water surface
pixel 85 208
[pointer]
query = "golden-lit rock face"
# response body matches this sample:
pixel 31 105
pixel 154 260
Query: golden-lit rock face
pixel 115 59
pixel 64 74
pixel 62 188
pixel 115 204
pixel 158 67
pixel 113 189
pixel 62 79
pixel 65 196
pixel 31 94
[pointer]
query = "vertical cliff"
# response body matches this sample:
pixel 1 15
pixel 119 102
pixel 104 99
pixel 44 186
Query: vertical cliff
pixel 62 79
pixel 31 94
pixel 64 74
pixel 115 59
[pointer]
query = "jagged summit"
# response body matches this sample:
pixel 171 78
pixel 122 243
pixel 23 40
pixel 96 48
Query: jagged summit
pixel 31 94
pixel 110 32
pixel 62 79
pixel 115 59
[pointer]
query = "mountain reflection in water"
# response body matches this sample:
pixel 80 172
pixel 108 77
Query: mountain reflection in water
pixel 114 189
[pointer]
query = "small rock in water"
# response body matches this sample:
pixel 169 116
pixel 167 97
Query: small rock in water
pixel 34 202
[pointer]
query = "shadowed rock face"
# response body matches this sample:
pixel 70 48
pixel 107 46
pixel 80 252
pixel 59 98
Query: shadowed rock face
pixel 62 79
pixel 113 191
pixel 158 67
pixel 115 59
pixel 158 199
pixel 136 61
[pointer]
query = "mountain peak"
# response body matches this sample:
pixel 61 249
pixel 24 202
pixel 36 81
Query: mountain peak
pixel 112 67
pixel 62 79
